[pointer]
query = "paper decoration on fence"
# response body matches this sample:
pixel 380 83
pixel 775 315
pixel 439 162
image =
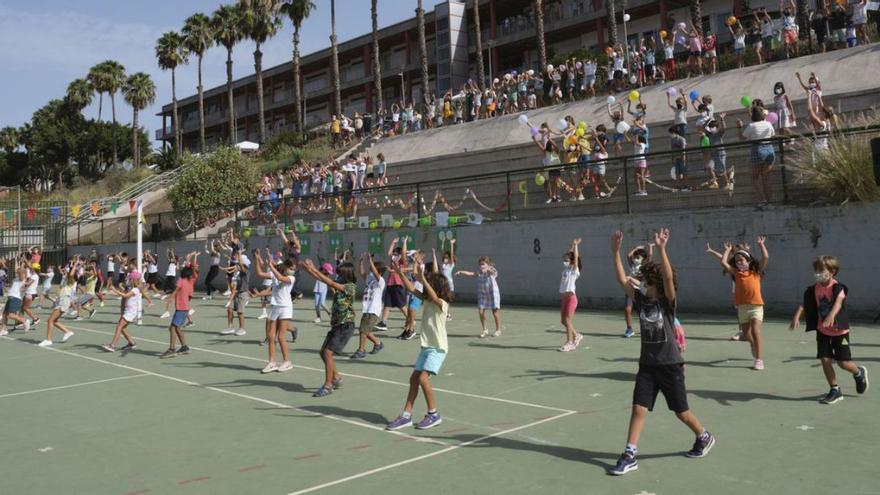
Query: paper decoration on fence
pixel 474 218
pixel 413 220
pixel 305 246
pixel 441 219
pixel 375 243
pixel 8 214
pixel 96 208
pixel 31 214
pixel 387 221
pixel 443 238
pixel 317 226
pixel 281 227
pixel 75 210
pixel 363 222
pixel 56 211
pixel 261 230
pixel 113 206
pixel 132 204
pixel 299 225
pixel 340 223
pixel 335 244
pixel 409 236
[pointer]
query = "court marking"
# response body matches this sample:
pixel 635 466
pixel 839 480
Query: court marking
pixel 63 387
pixel 363 377
pixel 239 395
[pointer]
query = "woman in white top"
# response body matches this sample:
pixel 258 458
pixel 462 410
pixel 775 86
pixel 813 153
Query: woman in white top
pixel 763 155
pixel 281 308
pixel 13 300
pixel 571 261
pixel 65 295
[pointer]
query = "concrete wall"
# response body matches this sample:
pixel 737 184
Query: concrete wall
pixel 795 237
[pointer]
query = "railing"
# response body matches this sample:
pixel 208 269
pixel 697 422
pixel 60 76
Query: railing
pixel 505 196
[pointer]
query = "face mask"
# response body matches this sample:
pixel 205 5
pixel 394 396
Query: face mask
pixel 812 85
pixel 711 130
pixel 778 91
pixel 637 261
pixel 822 277
pixel 742 265
pixel 483 267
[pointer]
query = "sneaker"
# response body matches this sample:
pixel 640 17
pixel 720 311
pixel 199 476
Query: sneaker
pixel 603 194
pixel 497 333
pixel 108 348
pixel 580 197
pixel 264 342
pixel 484 334
pixel 45 343
pixel 629 332
pixel 165 315
pixel 429 421
pixel 737 336
pixel 358 355
pixel 409 334
pixel 381 326
pixel 337 383
pixel 170 353
pixel 27 326
pixel 240 332
pixel 701 447
pixel 713 185
pixel 191 312
pixel 129 347
pixel 35 322
pixel 272 366
pixel 759 364
pixel 67 336
pixel 79 318
pixel 4 332
pixel 549 200
pixel 317 320
pixel 862 383
pixel 293 335
pixel 322 392
pixel 163 297
pixel 228 331
pixel 184 350
pixel 228 304
pixel 626 463
pixel 102 304
pixel 207 298
pixel 567 347
pixel 399 423
pixel 285 366
pixel 226 293
pixel 263 316
pixel 92 313
pixel 378 347
pixel 402 334
pixel 833 395
pixel 578 337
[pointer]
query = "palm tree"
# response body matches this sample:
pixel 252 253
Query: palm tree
pixel 377 67
pixel 334 54
pixel 297 11
pixel 539 31
pixel 9 139
pixel 98 78
pixel 225 25
pixel 198 38
pixel 611 21
pixel 696 15
pixel 260 21
pixel 171 53
pixel 115 78
pixel 478 35
pixel 80 94
pixel 139 91
pixel 423 50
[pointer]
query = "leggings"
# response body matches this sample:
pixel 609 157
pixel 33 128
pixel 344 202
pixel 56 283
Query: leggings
pixel 209 279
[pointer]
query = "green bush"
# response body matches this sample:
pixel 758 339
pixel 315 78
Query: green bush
pixel 209 181
pixel 844 172
pixel 280 143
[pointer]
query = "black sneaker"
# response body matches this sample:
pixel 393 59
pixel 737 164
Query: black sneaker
pixel 382 326
pixel 129 347
pixel 626 463
pixel 862 380
pixel 701 447
pixel 377 348
pixel 170 353
pixel 402 335
pixel 358 355
pixel 833 395
pixel 408 335
pixel 183 350
pixel 264 342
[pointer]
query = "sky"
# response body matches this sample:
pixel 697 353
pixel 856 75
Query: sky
pixel 45 44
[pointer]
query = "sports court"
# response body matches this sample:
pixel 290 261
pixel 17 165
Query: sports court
pixel 519 416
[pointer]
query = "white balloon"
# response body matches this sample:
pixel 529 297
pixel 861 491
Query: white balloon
pixel 562 124
pixel 626 17
pixel 496 81
pixel 549 67
pixel 632 80
pixel 523 119
pixel 610 100
pixel 531 72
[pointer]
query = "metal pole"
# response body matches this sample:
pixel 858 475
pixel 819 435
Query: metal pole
pixel 140 254
pixel 18 219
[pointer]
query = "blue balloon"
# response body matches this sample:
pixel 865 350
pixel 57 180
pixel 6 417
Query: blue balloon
pixel 694 95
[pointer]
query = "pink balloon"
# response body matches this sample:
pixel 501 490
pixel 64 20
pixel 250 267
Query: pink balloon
pixel 773 118
pixel 534 131
pixel 672 92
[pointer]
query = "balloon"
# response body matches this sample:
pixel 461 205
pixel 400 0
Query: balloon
pixel 681 26
pixel 530 72
pixel 634 96
pixel 773 118
pixel 539 179
pixel 663 34
pixel 693 95
pixel 425 221
pixel 246 233
pixel 579 132
pixel 453 220
pixel 680 40
pixel 398 224
pixel 374 224
pixel 704 141
pixel 622 127
pixel 582 125
pixel 745 101
pixel 549 67
pixel 609 51
pixel 513 73
pixel 562 124
pixel 523 119
pixel 578 65
pixel 533 131
pixel 632 80
pixel 610 100
pixel 626 18
pixel 731 20
pixel 561 68
pixel 326 227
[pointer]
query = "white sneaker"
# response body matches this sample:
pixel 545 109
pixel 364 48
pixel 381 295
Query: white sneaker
pixel 580 197
pixel 4 332
pixel 263 316
pixel 163 297
pixel 317 320
pixel 270 367
pixel 285 366
pixel 27 326
pixel 192 312
pixel 240 332
pixel 228 303
pixel 165 315
pixel 66 336
pixel 45 343
pixel 226 293
pixel 228 331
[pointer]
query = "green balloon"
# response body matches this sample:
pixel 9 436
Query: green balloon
pixel 425 221
pixel 745 101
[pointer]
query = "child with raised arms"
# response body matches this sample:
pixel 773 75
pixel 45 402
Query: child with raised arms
pixel 280 274
pixel 488 295
pixel 372 307
pixel 65 295
pixel 131 303
pixel 571 261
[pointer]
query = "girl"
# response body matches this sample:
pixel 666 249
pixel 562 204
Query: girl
pixel 789 28
pixel 320 291
pixel 824 121
pixel 14 300
pixel 784 110
pixel 680 110
pixel 381 170
pixel 748 273
pixel 212 251
pixel 30 292
pixel 763 155
pixel 695 58
pixel 170 281
pixel 617 138
pixel 47 285
pixel 372 306
pixel 341 321
pixel 571 261
pixel 265 290
pixel 640 146
pixel 434 345
pixel 111 271
pixel 488 295
pixel 281 312
pixel 669 56
pixel 131 302
pixel 448 267
pixel 551 158
pixel 738 33
pixel 65 295
pixel 152 273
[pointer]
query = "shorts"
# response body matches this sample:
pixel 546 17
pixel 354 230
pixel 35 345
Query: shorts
pixel 649 70
pixel 179 318
pixel 153 278
pixel 129 317
pixel 170 284
pixel 641 163
pixel 789 36
pixel 838 35
pixel 588 80
pixel 618 74
pixel 13 305
pixel 85 299
pixel 368 323
pixel 836 348
pixel 337 338
pixel 110 276
pixel 628 301
pixel 568 305
pixel 121 278
pixel 598 168
pixel 696 53
pixel 617 137
pixel 239 301
pixel 670 68
pixel 718 161
pixel 415 303
pixel 739 50
pixel 763 154
pixel 669 379
pixel 711 54
pixel 62 305
pixel 430 359
pixel 394 297
pixel 748 312
pixel 680 167
pixel 280 313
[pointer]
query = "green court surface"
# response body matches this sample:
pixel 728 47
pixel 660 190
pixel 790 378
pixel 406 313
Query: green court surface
pixel 519 416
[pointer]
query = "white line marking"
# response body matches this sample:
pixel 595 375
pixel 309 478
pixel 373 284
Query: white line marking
pixel 28 392
pixel 242 396
pixel 44 450
pixel 429 455
pixel 320 370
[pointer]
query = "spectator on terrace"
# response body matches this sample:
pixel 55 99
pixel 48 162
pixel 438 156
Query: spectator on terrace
pixel 335 130
pixel 710 44
pixel 763 156
pixel 381 170
pixel 819 25
pixel 358 125
pixel 789 28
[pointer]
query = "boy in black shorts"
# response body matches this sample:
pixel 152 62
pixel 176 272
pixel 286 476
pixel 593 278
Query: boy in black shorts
pixel 824 307
pixel 661 368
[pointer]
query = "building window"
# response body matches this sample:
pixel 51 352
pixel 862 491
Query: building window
pixel 443 68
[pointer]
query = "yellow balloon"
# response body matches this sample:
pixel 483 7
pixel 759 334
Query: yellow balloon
pixel 539 179
pixel 731 20
pixel 634 96
pixel 663 33
pixel 579 132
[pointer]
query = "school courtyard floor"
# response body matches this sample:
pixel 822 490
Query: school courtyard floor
pixel 518 416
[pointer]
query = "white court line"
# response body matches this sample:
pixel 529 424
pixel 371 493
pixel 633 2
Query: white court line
pixel 429 455
pixel 28 392
pixel 561 377
pixel 242 396
pixel 319 370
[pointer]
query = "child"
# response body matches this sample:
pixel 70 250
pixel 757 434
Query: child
pixel 748 273
pixel 320 291
pixel 46 290
pixel 394 296
pixel 679 143
pixel 239 295
pixel 65 295
pixel 680 110
pixel 131 303
pixel 738 33
pixel 372 307
pixel 434 346
pixel 661 367
pixel 635 259
pixel 488 295
pixel 30 293
pixel 824 307
pixel 264 293
pixel 784 110
pixel 789 28
pixel 181 296
pixel 448 268
pixel 281 274
pixel 341 321
pixel 717 162
pixel 640 146
pixel 414 304
pixel 571 261
pixel 14 300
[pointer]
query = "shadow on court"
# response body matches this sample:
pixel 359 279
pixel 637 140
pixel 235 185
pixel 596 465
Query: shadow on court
pixel 542 375
pixel 729 398
pixel 366 416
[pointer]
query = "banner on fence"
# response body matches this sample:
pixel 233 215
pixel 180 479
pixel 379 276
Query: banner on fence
pixel 334 245
pixel 376 243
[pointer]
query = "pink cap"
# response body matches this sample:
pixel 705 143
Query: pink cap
pixel 327 267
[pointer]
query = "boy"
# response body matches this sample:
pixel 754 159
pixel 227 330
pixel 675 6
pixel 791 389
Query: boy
pixel 661 368
pixel 181 295
pixel 239 298
pixel 395 295
pixel 825 311
pixel 372 308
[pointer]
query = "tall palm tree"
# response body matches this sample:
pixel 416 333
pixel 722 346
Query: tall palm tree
pixel 696 15
pixel 139 91
pixel 225 25
pixel 98 78
pixel 171 53
pixel 297 11
pixel 198 38
pixel 80 94
pixel 377 66
pixel 9 137
pixel 611 21
pixel 539 31
pixel 115 78
pixel 261 21
pixel 423 50
pixel 478 36
pixel 334 55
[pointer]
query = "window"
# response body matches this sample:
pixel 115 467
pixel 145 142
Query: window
pixel 443 68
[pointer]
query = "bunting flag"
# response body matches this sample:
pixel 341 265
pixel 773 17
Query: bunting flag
pixel 113 206
pixel 139 202
pixel 96 208
pixel 31 214
pixel 56 211
pixel 75 210
pixel 8 214
pixel 132 204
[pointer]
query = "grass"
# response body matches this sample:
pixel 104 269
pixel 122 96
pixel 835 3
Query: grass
pixel 284 156
pixel 112 183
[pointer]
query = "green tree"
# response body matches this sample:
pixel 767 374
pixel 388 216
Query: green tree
pixel 222 178
pixel 260 21
pixel 97 77
pixel 198 37
pixel 9 139
pixel 297 11
pixel 139 92
pixel 226 26
pixel 171 53
pixel 80 94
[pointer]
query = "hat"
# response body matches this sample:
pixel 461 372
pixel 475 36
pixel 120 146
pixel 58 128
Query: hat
pixel 327 267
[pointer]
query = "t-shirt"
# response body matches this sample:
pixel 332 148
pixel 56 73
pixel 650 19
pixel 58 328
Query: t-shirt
pixel 35 283
pixel 171 271
pixel 184 293
pixel 824 302
pixel 681 115
pixel 748 288
pixel 342 311
pixel 132 304
pixel 766 29
pixel 90 286
pixel 677 142
pixel 433 331
pixel 657 324
pixel 393 277
pixel 373 295
pixel 281 292
pixel 759 130
pixel 569 278
pixel 15 289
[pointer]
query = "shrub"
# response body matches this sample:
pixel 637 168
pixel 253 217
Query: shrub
pixel 209 181
pixel 844 172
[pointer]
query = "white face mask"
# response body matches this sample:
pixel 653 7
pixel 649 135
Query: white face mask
pixel 778 91
pixel 566 264
pixel 742 265
pixel 483 267
pixel 822 277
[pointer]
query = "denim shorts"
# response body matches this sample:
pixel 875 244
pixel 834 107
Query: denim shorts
pixel 179 318
pixel 430 359
pixel 762 154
